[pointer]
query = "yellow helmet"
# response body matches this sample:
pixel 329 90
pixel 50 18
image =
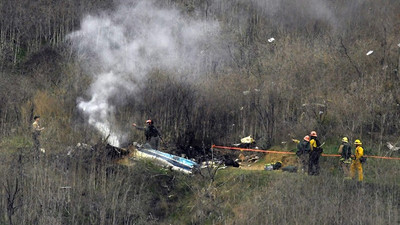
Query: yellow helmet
pixel 357 142
pixel 345 139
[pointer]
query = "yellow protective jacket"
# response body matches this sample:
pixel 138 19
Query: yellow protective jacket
pixel 313 144
pixel 359 152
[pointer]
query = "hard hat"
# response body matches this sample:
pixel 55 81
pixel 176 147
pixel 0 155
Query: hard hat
pixel 357 142
pixel 345 139
pixel 307 138
pixel 149 121
pixel 313 134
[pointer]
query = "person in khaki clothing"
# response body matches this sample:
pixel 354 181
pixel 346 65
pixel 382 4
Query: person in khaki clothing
pixel 357 164
pixel 36 130
pixel 345 156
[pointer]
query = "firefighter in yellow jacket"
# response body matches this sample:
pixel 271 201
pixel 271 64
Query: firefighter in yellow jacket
pixel 315 154
pixel 356 164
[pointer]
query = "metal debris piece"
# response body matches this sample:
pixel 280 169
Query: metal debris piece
pixel 271 40
pixel 370 52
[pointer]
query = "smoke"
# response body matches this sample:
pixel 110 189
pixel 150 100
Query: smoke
pixel 123 46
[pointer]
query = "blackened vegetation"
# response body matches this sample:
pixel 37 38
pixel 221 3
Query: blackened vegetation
pixel 101 152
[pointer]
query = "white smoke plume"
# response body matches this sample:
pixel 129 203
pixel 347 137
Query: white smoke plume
pixel 123 46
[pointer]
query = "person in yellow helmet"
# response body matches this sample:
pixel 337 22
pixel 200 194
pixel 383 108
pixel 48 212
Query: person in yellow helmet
pixel 345 156
pixel 356 164
pixel 315 154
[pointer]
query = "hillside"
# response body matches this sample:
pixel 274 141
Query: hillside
pixel 205 72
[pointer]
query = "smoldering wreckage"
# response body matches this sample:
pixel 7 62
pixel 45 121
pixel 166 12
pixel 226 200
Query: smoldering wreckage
pixel 103 151
pixel 126 156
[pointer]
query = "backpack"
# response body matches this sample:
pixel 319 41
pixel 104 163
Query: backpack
pixel 346 151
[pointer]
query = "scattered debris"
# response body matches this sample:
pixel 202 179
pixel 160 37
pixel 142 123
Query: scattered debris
pixel 370 52
pixel 247 140
pixel 271 40
pixel 42 150
pixel 398 45
pixel 99 151
pixel 249 159
pixel 241 157
pixel 230 162
pixel 291 169
pixel 83 145
pixel 273 166
pixel 210 163
pixel 174 162
pixel 391 148
pixel 253 158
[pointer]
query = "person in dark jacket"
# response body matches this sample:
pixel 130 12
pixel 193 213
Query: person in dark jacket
pixel 345 156
pixel 315 154
pixel 153 136
pixel 303 150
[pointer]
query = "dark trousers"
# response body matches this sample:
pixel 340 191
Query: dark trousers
pixel 303 161
pixel 36 146
pixel 36 143
pixel 154 142
pixel 313 163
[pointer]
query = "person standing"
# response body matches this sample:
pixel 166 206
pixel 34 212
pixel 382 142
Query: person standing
pixel 315 153
pixel 357 164
pixel 345 156
pixel 303 151
pixel 36 131
pixel 152 134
